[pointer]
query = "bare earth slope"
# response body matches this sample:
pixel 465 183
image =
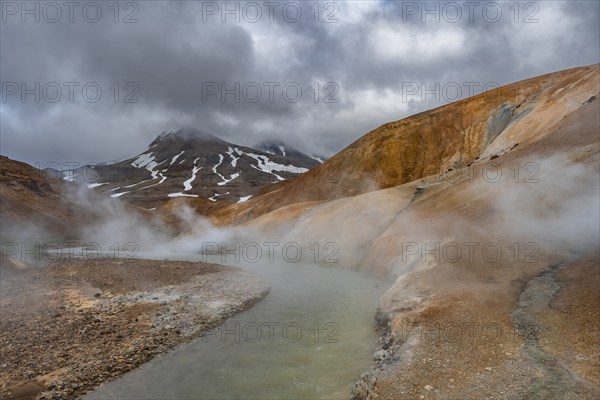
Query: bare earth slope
pixel 37 206
pixel 495 264
pixel 432 142
pixel 28 193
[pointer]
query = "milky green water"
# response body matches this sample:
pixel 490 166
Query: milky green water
pixel 310 338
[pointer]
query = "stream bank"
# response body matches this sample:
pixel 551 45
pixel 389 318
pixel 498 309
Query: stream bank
pixel 69 326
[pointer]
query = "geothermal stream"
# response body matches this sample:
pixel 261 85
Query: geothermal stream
pixel 252 356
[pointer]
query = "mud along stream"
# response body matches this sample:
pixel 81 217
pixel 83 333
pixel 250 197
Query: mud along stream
pixel 310 338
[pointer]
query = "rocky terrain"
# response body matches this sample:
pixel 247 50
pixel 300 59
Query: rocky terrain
pixel 75 323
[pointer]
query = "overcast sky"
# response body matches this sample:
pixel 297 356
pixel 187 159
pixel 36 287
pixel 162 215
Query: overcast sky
pixel 162 66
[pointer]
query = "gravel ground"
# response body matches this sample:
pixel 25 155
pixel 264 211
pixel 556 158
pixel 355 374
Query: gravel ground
pixel 542 345
pixel 69 326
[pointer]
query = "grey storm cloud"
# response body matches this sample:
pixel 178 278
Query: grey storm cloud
pixel 171 60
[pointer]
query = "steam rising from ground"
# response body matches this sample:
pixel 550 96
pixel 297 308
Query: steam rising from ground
pixel 559 213
pixel 117 222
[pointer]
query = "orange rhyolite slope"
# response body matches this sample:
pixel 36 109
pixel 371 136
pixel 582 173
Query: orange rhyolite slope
pixel 432 142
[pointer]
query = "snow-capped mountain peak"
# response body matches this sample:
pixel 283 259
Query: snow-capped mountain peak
pixel 193 163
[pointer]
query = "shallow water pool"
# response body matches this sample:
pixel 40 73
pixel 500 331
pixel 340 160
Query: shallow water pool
pixel 310 338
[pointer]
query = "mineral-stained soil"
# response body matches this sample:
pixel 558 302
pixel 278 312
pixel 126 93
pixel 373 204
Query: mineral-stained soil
pixel 539 342
pixel 68 326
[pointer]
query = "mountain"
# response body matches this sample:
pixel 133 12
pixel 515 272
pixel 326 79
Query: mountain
pixel 27 192
pixel 34 204
pixel 194 164
pixel 433 142
pixel 37 206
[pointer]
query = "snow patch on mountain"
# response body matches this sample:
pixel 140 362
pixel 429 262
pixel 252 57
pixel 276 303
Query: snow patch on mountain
pixel 233 158
pixel 179 194
pixel 217 195
pixel 175 157
pixel 221 158
pixel 187 185
pixel 135 184
pixel 69 175
pixel 143 160
pixel 268 166
pixel 95 185
pixel 149 161
pixel 279 178
pixel 226 181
